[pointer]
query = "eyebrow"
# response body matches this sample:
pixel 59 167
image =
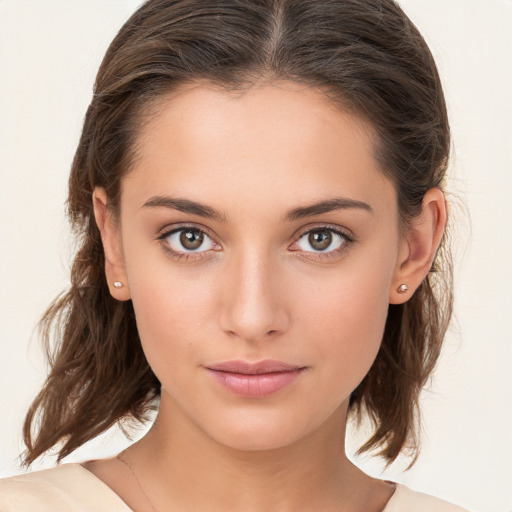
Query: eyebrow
pixel 185 205
pixel 301 212
pixel 329 205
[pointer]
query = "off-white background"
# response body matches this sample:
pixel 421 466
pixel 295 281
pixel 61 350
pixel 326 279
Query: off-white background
pixel 49 53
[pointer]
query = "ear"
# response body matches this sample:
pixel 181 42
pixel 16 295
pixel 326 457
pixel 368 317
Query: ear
pixel 111 239
pixel 419 246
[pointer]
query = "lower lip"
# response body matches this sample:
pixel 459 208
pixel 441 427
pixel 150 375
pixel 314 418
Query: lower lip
pixel 258 385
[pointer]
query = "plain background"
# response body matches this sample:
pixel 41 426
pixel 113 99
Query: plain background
pixel 49 53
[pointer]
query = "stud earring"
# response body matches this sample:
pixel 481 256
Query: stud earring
pixel 402 288
pixel 118 284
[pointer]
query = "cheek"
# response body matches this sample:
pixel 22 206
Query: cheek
pixel 346 316
pixel 170 313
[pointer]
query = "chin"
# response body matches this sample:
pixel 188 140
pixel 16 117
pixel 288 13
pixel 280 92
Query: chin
pixel 261 432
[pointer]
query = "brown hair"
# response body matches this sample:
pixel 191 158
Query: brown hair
pixel 370 59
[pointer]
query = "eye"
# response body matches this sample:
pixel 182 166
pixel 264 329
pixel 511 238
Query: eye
pixel 187 240
pixel 323 240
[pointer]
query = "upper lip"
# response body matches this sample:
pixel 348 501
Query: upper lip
pixel 247 368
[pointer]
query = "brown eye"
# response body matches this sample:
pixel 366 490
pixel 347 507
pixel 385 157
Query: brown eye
pixel 189 239
pixel 322 240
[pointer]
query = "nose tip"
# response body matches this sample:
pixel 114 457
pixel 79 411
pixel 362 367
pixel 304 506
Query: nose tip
pixel 252 315
pixel 252 336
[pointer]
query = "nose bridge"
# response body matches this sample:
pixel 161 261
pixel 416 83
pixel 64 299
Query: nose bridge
pixel 253 302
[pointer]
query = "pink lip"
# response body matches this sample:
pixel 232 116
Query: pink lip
pixel 255 380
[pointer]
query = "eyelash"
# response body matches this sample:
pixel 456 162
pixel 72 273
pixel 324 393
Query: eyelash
pixel 318 255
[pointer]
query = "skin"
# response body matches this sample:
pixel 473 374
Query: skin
pixel 257 289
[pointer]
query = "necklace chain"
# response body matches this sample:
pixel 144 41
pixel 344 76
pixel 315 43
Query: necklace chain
pixel 128 465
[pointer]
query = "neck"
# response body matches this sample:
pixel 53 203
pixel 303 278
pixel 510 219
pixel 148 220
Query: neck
pixel 179 464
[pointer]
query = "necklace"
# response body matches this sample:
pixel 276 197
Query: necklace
pixel 127 464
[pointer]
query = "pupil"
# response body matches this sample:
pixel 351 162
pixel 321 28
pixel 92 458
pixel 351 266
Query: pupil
pixel 191 239
pixel 320 239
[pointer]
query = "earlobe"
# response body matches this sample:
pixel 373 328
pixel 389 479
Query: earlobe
pixel 114 263
pixel 419 247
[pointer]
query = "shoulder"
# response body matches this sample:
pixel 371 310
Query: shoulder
pixel 66 488
pixel 407 500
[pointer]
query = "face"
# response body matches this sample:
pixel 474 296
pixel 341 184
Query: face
pixel 259 242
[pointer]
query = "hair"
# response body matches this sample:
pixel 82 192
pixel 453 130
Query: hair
pixel 370 59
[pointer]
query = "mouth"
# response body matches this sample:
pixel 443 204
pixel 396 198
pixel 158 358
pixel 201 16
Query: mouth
pixel 255 380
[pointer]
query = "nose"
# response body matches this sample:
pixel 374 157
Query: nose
pixel 254 305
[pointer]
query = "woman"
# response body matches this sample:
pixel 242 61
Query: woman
pixel 258 197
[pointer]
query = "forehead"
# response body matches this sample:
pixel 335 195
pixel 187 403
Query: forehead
pixel 285 142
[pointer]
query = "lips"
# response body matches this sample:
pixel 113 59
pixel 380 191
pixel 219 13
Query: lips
pixel 254 380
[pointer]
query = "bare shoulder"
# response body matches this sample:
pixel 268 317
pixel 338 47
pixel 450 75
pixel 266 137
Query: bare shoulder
pixel 407 500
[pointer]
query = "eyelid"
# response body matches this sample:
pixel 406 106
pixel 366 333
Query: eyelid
pixel 169 230
pixel 344 232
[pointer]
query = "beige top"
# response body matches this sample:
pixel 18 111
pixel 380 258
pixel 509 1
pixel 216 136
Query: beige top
pixel 72 488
